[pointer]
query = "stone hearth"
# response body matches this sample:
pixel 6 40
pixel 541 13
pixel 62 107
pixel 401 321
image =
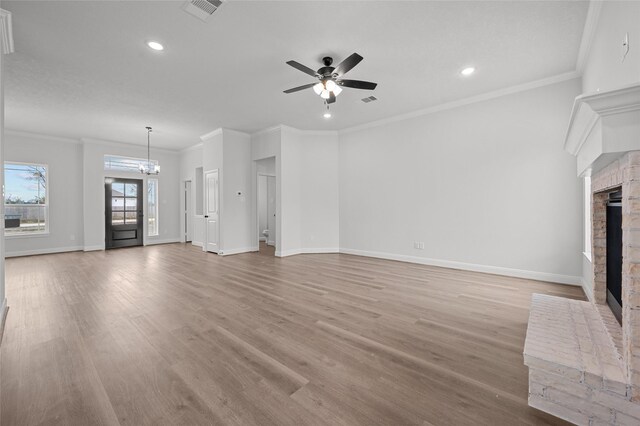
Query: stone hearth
pixel 583 365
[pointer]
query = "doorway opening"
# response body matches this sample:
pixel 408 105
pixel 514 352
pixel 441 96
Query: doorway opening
pixel 266 205
pixel 123 212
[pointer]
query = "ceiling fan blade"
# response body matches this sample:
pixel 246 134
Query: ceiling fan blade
pixel 347 64
pixel 303 68
pixel 297 89
pixel 332 98
pixel 358 84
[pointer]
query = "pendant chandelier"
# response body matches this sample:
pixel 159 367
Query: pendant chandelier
pixel 149 169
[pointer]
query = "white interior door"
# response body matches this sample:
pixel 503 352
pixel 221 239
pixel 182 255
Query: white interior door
pixel 188 213
pixel 212 211
pixel 271 209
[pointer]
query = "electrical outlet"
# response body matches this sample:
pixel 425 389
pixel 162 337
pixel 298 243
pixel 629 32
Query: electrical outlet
pixel 625 46
pixel 421 246
pixel 416 245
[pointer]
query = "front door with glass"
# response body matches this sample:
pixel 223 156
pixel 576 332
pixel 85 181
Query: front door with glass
pixel 123 210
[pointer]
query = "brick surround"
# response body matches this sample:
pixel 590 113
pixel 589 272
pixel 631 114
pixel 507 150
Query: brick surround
pixel 623 173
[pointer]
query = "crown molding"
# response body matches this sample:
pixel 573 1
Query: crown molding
pixel 467 101
pixel 211 134
pixel 590 27
pixel 237 132
pixel 192 147
pixel 267 130
pixel 32 135
pixel 94 141
pixel 6 32
pixel 309 132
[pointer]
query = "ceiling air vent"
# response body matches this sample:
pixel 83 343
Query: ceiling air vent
pixel 201 9
pixel 369 99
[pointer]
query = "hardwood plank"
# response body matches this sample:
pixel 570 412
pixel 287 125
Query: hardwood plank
pixel 171 335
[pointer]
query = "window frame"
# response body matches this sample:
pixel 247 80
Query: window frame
pixel 47 205
pixel 587 217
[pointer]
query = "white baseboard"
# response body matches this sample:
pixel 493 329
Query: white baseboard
pixel 197 243
pixel 165 241
pixel 587 289
pixel 237 251
pixel 293 252
pixel 42 251
pixel 93 248
pixel 497 270
pixel 262 238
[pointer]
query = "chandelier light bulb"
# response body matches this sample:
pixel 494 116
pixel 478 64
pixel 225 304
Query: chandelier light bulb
pixel 330 85
pixel 337 90
pixel 318 88
pixel 324 94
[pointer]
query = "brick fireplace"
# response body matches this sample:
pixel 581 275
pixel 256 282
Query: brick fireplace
pixel 625 174
pixel 584 366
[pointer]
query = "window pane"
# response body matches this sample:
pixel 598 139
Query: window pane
pixel 117 203
pixel 131 204
pixel 152 207
pixel 25 183
pixel 117 218
pixel 131 189
pixel 25 219
pixel 131 217
pixel 117 189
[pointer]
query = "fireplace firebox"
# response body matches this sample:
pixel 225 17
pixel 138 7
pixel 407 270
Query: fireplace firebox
pixel 614 253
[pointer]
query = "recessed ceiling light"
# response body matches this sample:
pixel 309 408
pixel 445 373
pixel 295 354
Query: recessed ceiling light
pixel 467 71
pixel 155 45
pixel 327 114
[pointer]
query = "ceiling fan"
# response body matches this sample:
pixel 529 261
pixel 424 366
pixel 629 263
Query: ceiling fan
pixel 331 81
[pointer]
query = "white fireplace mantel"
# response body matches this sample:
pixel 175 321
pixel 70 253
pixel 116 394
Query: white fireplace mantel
pixel 604 126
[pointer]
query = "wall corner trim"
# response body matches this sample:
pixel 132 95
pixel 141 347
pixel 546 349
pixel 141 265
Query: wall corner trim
pixel 467 101
pixel 4 311
pixel 6 31
pixel 590 26
pixel 237 251
pixel 43 251
pixel 211 134
pixel 487 269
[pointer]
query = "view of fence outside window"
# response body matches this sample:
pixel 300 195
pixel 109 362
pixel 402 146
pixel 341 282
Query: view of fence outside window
pixel 26 199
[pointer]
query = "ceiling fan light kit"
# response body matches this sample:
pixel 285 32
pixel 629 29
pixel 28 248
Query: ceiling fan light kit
pixel 331 81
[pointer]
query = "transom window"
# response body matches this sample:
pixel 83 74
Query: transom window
pixel 26 199
pixel 126 164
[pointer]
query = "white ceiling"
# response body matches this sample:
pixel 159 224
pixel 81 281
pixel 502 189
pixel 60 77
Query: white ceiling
pixel 82 69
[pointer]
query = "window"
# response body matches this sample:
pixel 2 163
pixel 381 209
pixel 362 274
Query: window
pixel 26 199
pixel 587 217
pixel 152 207
pixel 126 164
pixel 124 203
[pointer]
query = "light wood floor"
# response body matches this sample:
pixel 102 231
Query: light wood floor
pixel 168 335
